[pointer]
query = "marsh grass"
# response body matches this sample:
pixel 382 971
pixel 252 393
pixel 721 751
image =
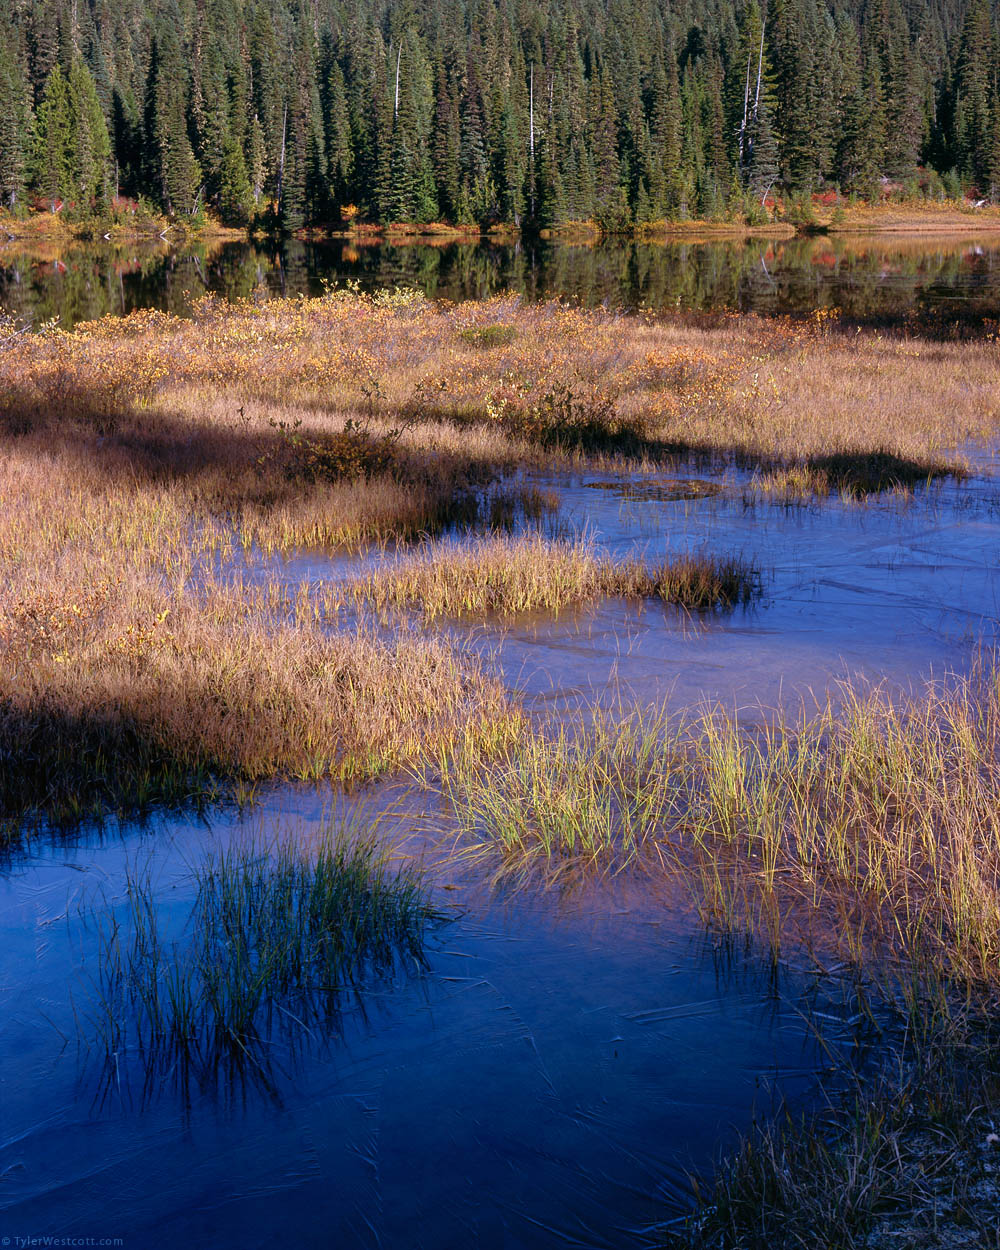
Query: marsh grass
pixel 268 402
pixel 852 476
pixel 139 695
pixel 901 1159
pixel 870 827
pixel 864 834
pixel 530 573
pixel 561 796
pixel 280 939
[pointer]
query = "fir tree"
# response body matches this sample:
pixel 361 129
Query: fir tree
pixel 16 131
pixel 630 109
pixel 51 156
pixel 236 200
pixel 89 155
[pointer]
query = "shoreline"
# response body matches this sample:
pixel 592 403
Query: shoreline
pixel 928 219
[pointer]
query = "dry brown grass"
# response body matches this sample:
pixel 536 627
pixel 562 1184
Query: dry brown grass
pixel 532 574
pixel 143 456
pixel 133 670
pixel 120 694
pixel 478 389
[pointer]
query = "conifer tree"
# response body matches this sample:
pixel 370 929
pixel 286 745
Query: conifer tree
pixel 89 153
pixel 973 122
pixel 236 200
pixel 339 141
pixel 51 156
pixel 483 109
pixel 16 130
pixel 257 161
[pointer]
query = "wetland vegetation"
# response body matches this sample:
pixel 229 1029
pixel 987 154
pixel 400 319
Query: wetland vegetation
pixel 278 934
pixel 161 482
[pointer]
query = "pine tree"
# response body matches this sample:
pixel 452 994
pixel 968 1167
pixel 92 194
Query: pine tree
pixel 855 157
pixel 973 128
pixel 762 168
pixel 603 142
pixel 170 157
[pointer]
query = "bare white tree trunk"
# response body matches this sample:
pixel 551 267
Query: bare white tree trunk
pixel 281 162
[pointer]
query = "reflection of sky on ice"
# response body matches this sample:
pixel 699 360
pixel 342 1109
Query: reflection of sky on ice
pixel 870 589
pixel 562 1061
pixel 882 590
pixel 552 1075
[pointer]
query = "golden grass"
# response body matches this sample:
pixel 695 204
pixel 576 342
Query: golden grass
pixel 916 216
pixel 144 456
pixel 134 670
pixel 505 576
pixel 146 460
pixel 871 827
pixel 480 388
pixel 118 694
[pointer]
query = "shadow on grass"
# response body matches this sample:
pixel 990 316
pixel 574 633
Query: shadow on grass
pixel 869 473
pixel 61 768
pixel 231 467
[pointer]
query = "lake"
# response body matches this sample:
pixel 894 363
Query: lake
pixel 888 278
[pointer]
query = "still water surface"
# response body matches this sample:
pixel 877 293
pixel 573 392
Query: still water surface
pixel 881 278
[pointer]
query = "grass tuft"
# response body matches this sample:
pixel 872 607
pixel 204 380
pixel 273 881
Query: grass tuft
pixel 144 696
pixel 506 576
pixel 276 937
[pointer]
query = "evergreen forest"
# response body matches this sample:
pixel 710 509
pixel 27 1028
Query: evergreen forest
pixel 533 112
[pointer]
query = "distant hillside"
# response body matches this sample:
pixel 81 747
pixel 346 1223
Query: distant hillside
pixel 480 111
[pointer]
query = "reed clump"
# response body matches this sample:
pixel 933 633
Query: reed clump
pixel 871 826
pixel 506 575
pixel 280 938
pixel 561 797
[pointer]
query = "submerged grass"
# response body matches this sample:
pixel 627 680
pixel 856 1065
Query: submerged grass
pixel 533 574
pixel 277 937
pixel 908 1158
